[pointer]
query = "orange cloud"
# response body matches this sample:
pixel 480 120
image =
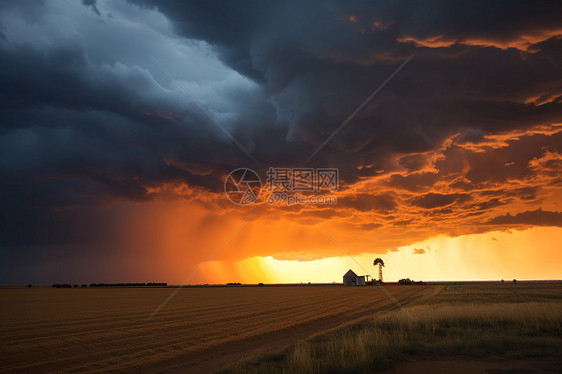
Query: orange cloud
pixel 506 181
pixel 521 42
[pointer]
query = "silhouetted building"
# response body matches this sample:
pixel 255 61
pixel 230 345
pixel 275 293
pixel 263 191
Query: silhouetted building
pixel 352 279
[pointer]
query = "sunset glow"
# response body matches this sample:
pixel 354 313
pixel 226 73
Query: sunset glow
pixel 122 121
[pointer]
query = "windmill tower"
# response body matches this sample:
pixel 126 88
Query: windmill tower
pixel 380 262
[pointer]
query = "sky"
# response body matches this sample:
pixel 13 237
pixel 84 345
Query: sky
pixel 121 121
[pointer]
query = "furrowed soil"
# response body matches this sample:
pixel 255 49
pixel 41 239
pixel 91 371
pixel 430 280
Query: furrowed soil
pixel 198 330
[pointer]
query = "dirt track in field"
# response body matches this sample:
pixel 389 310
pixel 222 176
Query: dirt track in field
pixel 199 330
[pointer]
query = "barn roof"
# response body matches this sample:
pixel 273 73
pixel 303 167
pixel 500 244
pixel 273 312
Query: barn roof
pixel 350 273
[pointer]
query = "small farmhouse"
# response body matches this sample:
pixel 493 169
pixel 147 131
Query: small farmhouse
pixel 352 279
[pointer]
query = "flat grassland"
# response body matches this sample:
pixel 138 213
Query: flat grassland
pixel 198 330
pixel 476 328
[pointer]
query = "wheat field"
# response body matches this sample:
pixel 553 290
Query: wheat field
pixel 201 329
pixel 504 322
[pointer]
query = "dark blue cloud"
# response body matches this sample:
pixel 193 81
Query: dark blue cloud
pixel 88 119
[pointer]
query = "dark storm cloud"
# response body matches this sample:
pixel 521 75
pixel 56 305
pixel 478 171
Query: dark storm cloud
pixel 112 126
pixel 537 217
pixel 435 200
pixel 368 202
pixel 2 35
pixel 92 5
pixel 318 65
pixel 318 26
pixel 508 163
pixel 314 63
pixel 77 135
pixel 88 120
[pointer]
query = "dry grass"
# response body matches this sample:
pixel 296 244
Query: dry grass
pixel 97 330
pixel 469 320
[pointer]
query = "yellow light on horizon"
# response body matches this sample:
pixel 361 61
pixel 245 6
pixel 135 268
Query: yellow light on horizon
pixel 527 254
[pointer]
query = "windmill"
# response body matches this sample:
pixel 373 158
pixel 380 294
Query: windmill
pixel 380 262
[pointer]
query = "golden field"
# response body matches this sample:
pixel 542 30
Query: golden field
pixel 476 328
pixel 199 330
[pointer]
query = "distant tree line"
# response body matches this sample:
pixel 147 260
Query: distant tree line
pixel 63 285
pixel 127 284
pixel 66 285
pixel 408 281
pixel 234 284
